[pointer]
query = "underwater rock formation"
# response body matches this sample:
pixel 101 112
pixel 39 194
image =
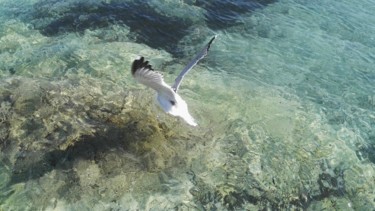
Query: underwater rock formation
pixel 81 138
pixel 44 123
pixel 160 27
pixel 146 25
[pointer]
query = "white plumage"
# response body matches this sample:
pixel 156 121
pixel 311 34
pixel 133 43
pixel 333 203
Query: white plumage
pixel 167 96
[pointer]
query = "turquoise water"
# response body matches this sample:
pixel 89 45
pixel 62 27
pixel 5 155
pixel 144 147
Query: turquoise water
pixel 285 104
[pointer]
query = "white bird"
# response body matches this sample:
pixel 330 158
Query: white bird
pixel 167 96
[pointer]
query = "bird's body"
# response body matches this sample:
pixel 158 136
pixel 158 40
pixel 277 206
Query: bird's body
pixel 167 96
pixel 173 104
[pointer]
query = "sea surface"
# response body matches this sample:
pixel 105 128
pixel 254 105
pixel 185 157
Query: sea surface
pixel 284 101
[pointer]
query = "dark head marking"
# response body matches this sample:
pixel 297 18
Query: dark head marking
pixel 172 102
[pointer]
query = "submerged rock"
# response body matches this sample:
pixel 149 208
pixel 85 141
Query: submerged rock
pixel 83 139
pixel 46 122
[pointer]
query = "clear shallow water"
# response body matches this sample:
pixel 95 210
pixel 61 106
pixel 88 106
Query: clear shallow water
pixel 284 101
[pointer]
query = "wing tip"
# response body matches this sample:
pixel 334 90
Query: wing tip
pixel 211 41
pixel 139 63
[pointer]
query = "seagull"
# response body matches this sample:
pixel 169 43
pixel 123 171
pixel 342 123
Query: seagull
pixel 169 100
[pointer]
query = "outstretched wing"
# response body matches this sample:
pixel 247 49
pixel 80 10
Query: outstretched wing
pixel 144 74
pixel 191 64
